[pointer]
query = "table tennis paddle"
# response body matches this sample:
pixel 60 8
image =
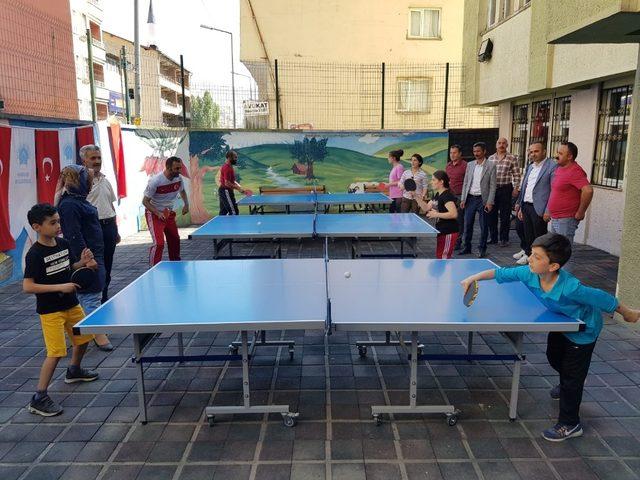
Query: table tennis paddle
pixel 248 192
pixel 471 294
pixel 382 186
pixel 83 277
pixel 410 185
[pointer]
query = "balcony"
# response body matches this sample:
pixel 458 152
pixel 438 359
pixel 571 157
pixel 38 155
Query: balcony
pixel 173 85
pixel 167 106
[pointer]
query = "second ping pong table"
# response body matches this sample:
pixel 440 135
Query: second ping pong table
pixel 334 295
pixel 227 230
pixel 316 202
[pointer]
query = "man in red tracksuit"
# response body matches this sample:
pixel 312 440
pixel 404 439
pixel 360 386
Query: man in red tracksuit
pixel 159 197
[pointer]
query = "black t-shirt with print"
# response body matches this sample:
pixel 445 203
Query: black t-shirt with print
pixel 50 266
pixel 446 225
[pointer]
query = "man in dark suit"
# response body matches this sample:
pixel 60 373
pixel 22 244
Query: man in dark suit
pixel 534 196
pixel 478 195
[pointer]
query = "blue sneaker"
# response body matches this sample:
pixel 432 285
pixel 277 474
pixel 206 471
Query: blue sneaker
pixel 560 432
pixel 554 393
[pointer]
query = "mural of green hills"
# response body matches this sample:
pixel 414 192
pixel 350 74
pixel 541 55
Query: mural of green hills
pixel 271 165
pixel 433 150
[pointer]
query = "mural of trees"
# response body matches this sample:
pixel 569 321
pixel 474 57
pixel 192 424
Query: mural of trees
pixel 209 146
pixel 308 151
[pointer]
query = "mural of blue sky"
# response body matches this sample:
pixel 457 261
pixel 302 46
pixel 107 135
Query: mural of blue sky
pixel 371 143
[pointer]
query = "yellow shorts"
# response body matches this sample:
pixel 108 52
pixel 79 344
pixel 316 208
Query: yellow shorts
pixel 55 324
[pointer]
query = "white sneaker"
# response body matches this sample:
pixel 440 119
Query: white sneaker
pixel 518 255
pixel 523 260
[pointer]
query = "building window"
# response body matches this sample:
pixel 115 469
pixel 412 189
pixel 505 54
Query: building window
pixel 505 9
pixel 540 115
pixel 413 95
pixel 519 132
pixel 424 23
pixel 491 12
pixel 560 123
pixel 611 143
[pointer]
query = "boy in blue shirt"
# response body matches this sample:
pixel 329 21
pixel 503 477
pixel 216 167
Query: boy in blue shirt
pixel 568 353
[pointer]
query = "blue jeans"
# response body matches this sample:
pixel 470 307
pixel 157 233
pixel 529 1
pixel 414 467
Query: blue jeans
pixel 90 301
pixel 564 226
pixel 472 206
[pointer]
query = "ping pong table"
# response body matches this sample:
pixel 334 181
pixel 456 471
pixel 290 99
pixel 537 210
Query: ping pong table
pixel 404 228
pixel 334 295
pixel 316 201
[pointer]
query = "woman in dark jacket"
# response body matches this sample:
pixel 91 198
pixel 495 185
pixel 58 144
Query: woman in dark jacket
pixel 81 228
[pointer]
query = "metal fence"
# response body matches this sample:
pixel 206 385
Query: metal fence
pixel 330 96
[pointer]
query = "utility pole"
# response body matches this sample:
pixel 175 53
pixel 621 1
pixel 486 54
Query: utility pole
pixel 136 52
pixel 233 72
pixel 125 65
pixel 92 83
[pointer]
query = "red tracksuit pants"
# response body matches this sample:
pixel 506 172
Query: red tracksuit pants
pixel 160 229
pixel 446 242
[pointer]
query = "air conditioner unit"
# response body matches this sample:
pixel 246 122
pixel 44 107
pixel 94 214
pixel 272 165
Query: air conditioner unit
pixel 486 48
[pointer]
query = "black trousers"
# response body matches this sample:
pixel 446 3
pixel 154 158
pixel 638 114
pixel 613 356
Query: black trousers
pixel 394 206
pixel 472 206
pixel 501 211
pixel 571 361
pixel 409 206
pixel 534 225
pixel 520 233
pixel 460 221
pixel 228 205
pixel 109 236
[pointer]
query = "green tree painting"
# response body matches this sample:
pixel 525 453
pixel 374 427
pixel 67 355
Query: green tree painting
pixel 309 151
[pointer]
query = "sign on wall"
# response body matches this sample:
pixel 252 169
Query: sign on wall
pixel 253 108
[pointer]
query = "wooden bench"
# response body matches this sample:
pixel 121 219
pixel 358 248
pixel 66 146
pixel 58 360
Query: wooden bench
pixel 292 190
pixel 376 189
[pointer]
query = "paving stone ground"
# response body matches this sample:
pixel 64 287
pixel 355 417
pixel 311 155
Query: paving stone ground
pixel 331 386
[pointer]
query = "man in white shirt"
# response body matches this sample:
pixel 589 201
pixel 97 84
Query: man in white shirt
pixel 102 197
pixel 159 197
pixel 534 196
pixel 478 195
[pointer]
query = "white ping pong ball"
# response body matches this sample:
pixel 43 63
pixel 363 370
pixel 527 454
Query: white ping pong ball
pixel 347 274
pixel 259 223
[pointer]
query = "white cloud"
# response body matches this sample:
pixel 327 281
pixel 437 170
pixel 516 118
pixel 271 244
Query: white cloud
pixel 246 139
pixel 368 138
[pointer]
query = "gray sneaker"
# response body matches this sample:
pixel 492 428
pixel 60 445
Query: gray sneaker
pixel 83 375
pixel 554 393
pixel 45 407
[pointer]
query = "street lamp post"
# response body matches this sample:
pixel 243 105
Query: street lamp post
pixel 233 74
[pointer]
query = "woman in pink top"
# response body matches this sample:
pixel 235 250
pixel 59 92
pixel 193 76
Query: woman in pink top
pixel 395 193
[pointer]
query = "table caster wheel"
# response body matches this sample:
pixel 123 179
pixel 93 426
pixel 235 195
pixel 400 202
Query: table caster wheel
pixel 362 351
pixel 291 350
pixel 452 419
pixel 420 351
pixel 290 420
pixel 233 350
pixel 211 419
pixel 378 419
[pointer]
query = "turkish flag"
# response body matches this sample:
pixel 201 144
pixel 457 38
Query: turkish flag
pixel 117 154
pixel 7 242
pixel 47 164
pixel 84 136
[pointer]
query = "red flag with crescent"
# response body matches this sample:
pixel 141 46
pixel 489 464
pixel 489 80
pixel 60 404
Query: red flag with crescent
pixel 47 164
pixel 7 242
pixel 117 154
pixel 84 136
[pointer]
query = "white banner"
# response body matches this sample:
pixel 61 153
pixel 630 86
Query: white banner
pixel 67 141
pixel 22 180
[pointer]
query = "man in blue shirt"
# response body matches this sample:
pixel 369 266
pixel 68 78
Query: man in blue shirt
pixel 568 353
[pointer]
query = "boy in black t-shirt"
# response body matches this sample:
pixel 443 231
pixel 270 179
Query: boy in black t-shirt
pixel 47 274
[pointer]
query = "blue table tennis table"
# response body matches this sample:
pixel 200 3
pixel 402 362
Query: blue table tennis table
pixel 404 228
pixel 315 202
pixel 334 295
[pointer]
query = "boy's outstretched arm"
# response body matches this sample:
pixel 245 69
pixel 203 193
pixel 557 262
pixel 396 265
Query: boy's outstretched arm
pixel 485 275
